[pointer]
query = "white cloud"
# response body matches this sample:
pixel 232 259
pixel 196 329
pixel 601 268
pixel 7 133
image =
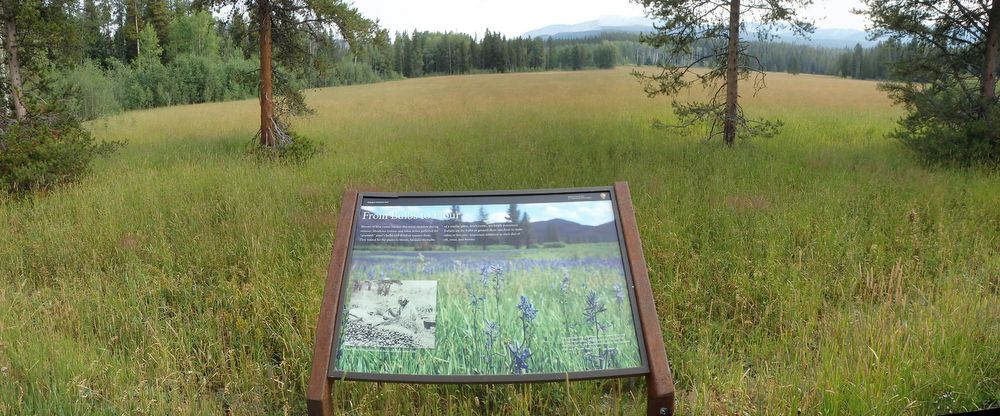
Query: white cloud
pixel 515 17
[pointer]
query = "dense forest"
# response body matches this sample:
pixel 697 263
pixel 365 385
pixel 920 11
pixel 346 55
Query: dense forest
pixel 131 54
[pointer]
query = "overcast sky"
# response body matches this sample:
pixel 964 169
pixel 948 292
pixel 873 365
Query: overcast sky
pixel 515 17
pixel 580 212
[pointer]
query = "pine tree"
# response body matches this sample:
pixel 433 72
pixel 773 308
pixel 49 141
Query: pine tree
pixel 720 27
pixel 159 16
pixel 281 25
pixel 948 81
pixel 131 26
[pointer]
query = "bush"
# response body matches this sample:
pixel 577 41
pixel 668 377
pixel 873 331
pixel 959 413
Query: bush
pixel 197 79
pixel 92 92
pixel 48 149
pixel 348 72
pixel 299 149
pixel 553 244
pixel 969 144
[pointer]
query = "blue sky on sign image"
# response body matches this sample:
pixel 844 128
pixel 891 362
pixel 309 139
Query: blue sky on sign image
pixel 580 212
pixel 515 17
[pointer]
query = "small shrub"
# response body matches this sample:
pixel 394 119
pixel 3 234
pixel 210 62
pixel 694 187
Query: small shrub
pixel 92 92
pixel 944 127
pixel 553 244
pixel 969 143
pixel 298 149
pixel 48 149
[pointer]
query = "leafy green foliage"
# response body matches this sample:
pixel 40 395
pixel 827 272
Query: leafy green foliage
pixel 92 92
pixel 49 148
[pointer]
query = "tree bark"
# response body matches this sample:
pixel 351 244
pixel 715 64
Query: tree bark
pixel 267 126
pixel 14 68
pixel 732 74
pixel 988 78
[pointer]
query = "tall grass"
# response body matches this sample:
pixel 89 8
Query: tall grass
pixel 822 271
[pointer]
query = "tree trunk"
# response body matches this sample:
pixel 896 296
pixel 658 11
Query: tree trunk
pixel 267 126
pixel 988 78
pixel 732 74
pixel 14 68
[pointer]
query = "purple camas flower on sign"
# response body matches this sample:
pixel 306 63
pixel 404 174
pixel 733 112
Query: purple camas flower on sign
pixel 528 311
pixel 594 307
pixel 619 292
pixel 492 274
pixel 477 301
pixel 492 332
pixel 519 358
pixel 484 273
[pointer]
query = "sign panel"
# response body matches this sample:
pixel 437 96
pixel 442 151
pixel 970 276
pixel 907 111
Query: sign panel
pixel 487 287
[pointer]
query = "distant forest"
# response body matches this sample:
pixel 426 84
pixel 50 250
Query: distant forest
pixel 122 55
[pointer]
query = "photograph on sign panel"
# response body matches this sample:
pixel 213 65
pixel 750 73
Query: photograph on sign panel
pixel 529 288
pixel 391 314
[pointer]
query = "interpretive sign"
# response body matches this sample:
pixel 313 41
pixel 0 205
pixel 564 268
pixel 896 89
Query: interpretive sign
pixel 488 287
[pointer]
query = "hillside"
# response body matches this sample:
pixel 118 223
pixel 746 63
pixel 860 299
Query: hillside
pixel 824 37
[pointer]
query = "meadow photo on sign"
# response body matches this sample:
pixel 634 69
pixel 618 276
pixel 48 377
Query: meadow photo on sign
pixel 522 285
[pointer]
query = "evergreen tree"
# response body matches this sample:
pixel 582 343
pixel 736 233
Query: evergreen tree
pixel 281 27
pixel 454 218
pixel 527 239
pixel 41 142
pixel 131 26
pixel 550 54
pixel 513 217
pixel 415 55
pixel 481 237
pixel 159 16
pixel 948 83
pixel 688 23
pixel 856 60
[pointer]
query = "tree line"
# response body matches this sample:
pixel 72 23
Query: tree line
pixel 117 55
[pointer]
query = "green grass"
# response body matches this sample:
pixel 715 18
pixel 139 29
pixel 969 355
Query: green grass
pixel 822 271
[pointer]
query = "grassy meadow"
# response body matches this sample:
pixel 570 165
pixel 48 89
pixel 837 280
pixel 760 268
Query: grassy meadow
pixel 823 271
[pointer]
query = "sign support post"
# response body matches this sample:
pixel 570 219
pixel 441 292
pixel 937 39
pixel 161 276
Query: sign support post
pixel 659 381
pixel 320 385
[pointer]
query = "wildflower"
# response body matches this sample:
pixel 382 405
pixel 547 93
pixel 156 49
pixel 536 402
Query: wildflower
pixel 528 311
pixel 619 292
pixel 492 273
pixel 519 358
pixel 477 301
pixel 594 307
pixel 492 332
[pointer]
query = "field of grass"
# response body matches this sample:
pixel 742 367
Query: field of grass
pixel 823 271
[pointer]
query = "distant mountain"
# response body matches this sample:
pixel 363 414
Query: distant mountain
pixel 830 38
pixel 571 232
pixel 607 24
pixel 568 231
